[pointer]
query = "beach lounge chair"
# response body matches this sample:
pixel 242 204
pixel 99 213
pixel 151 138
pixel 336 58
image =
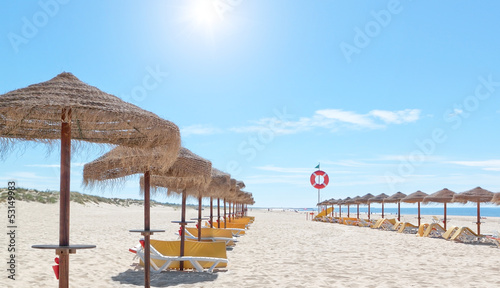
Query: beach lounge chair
pixel 439 220
pixel 446 235
pixel 197 255
pixel 421 229
pixel 407 228
pixel 351 221
pixel 365 223
pixel 433 230
pixel 385 224
pixel 494 238
pixel 466 235
pixel 211 234
pixel 235 231
pixel 323 213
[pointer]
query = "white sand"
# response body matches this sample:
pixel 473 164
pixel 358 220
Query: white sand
pixel 281 249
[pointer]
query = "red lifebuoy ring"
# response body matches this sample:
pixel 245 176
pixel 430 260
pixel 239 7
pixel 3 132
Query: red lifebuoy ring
pixel 319 185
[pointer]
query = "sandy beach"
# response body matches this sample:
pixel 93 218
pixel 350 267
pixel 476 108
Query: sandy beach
pixel 281 249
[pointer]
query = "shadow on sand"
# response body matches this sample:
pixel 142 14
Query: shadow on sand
pixel 165 278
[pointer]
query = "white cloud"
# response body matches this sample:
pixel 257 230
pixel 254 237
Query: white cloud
pixel 488 165
pixel 332 120
pixel 199 130
pixel 397 117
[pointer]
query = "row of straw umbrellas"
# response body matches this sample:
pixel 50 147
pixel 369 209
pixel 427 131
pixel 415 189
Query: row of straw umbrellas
pixel 65 110
pixel 477 195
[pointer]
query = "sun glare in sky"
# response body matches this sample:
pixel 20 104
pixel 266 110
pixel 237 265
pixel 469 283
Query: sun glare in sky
pixel 203 15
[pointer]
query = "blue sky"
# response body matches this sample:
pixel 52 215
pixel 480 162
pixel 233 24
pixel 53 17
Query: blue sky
pixel 387 95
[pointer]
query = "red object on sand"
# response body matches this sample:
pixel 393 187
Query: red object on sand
pixel 56 268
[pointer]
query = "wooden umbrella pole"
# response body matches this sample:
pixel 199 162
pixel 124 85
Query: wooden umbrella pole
pixel 64 196
pixel 147 213
pixel 225 213
pixel 199 218
pixel 418 214
pixel 444 216
pixel 234 209
pixel 368 211
pixel 211 212
pixel 348 211
pixel 358 210
pixel 340 211
pixel 382 209
pixel 218 212
pixel 399 210
pixel 183 228
pixel 230 211
pixel 478 219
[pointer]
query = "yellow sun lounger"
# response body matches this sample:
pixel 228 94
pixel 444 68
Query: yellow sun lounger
pixel 446 235
pixel 236 229
pixel 365 222
pixel 385 224
pixel 406 227
pixel 466 235
pixel 197 255
pixel 211 234
pixel 434 230
pixel 350 221
pixel 323 213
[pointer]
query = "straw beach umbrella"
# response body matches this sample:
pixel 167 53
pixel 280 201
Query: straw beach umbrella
pixel 415 197
pixel 48 112
pixel 379 199
pixel 189 175
pixel 348 201
pixel 332 202
pixel 219 185
pixel 121 162
pixel 396 198
pixel 477 195
pixel 366 200
pixel 442 196
pixel 355 200
pixel 496 198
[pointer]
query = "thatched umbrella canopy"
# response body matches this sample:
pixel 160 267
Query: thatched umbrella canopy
pixel 219 185
pixel 189 175
pixel 496 198
pixel 477 195
pixel 442 196
pixel 355 200
pixel 365 200
pixel 415 197
pixel 379 199
pixel 332 202
pixel 396 198
pixel 122 162
pixel 48 111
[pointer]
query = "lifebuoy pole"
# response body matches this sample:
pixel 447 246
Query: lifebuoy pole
pixel 318 202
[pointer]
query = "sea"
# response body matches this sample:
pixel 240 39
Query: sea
pixel 458 211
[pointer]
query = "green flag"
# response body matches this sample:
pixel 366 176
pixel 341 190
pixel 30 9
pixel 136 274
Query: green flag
pixel 317 167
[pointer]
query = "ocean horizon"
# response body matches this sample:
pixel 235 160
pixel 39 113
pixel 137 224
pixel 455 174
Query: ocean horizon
pixel 457 211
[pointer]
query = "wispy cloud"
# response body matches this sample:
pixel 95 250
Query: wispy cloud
pixel 488 165
pixel 332 120
pixel 199 130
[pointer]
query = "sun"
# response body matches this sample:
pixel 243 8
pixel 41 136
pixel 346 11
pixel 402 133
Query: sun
pixel 203 14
